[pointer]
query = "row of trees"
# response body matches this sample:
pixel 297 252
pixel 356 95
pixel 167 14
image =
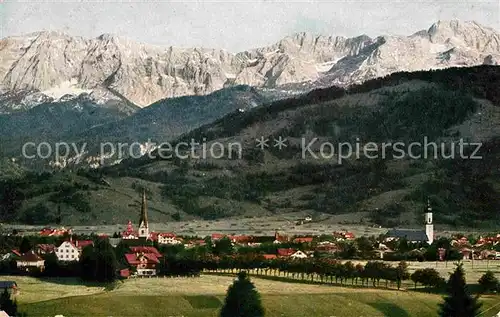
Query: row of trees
pixel 322 270
pixel 243 299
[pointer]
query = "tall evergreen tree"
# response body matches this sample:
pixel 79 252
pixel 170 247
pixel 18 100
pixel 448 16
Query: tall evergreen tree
pixel 7 304
pixel 88 264
pixel 26 245
pixel 107 265
pixel 242 299
pixel 99 263
pixel 459 302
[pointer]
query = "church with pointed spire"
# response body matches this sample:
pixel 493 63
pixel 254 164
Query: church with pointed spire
pixel 143 229
pixel 413 235
pixel 143 221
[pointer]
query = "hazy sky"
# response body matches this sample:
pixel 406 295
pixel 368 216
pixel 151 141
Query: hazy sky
pixel 236 25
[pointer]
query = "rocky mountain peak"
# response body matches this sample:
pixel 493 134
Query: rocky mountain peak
pixel 143 73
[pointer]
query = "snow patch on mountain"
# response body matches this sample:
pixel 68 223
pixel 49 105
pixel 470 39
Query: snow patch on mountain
pixel 69 87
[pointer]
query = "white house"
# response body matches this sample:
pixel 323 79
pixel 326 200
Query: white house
pixel 299 255
pixel 67 252
pixel 168 238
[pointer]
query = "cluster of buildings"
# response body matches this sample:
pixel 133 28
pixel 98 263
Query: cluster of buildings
pixel 481 250
pixel 143 259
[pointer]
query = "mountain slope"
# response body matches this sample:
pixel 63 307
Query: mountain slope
pixel 55 122
pixel 443 105
pixel 83 122
pixel 168 118
pixel 51 62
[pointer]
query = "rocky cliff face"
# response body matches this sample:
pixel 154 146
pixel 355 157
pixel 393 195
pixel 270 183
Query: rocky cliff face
pixel 55 64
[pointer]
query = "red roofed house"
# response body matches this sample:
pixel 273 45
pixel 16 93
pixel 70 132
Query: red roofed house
pixel 48 232
pixel 145 264
pixel 280 239
pixel 303 240
pixel 269 256
pixel 217 236
pixel 125 273
pixel 145 249
pixel 80 244
pixel 194 243
pixel 349 235
pixel 285 252
pixel 343 235
pixel 242 239
pixel 42 249
pixel 30 261
pixel 130 233
pixel 328 247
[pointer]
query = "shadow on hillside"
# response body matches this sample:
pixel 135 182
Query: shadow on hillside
pixel 72 281
pixel 204 302
pixel 389 309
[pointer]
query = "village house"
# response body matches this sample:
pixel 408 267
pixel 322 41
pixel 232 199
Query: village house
pixel 461 242
pixel 307 240
pixel 382 250
pixel 30 262
pixel 168 238
pixel 194 243
pixel 466 253
pixel 327 247
pixel 217 236
pixel 282 252
pixel 278 239
pixel 343 235
pixel 48 232
pixel 70 251
pixel 144 264
pixel 488 241
pixel 241 239
pixel 269 256
pixel 299 255
pixel 42 249
pixel 146 250
pixel 130 233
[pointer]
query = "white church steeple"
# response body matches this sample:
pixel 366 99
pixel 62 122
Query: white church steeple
pixel 143 222
pixel 429 226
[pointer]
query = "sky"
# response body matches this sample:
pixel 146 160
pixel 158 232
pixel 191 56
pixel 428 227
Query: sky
pixel 236 25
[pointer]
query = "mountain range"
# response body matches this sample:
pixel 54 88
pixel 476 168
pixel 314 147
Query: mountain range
pixel 46 66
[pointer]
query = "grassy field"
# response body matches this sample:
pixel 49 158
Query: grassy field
pixel 203 297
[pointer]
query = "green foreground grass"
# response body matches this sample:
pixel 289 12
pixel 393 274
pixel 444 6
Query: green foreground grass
pixel 203 297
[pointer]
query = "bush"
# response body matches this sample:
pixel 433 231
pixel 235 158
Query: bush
pixel 489 283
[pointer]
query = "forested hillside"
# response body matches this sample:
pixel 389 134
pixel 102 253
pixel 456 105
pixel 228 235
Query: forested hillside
pixel 443 106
